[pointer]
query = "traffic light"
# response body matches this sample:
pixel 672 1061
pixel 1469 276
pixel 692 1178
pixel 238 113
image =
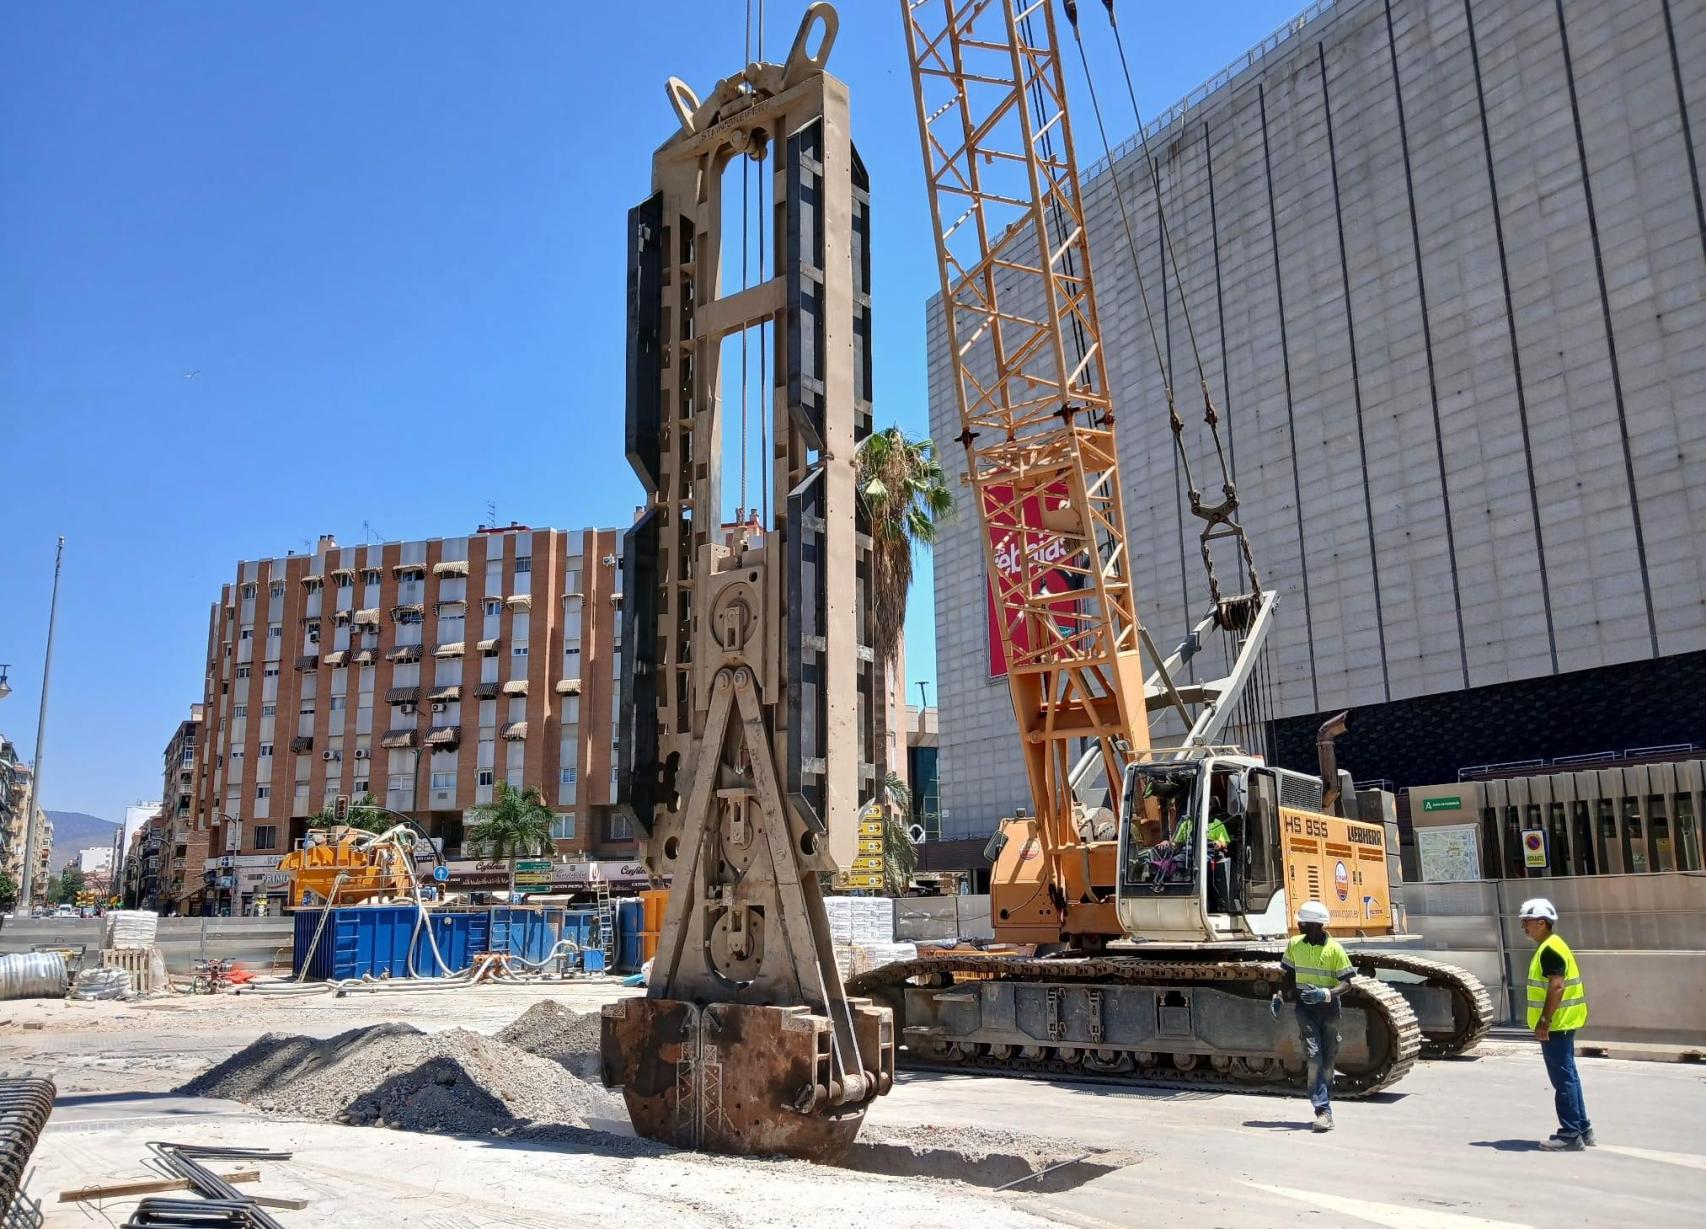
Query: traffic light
pixel 340 808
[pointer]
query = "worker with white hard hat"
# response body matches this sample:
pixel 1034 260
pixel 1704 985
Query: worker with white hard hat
pixel 1318 974
pixel 1557 1009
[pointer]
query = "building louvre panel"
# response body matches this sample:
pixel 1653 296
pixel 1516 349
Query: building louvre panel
pixel 568 687
pixel 395 739
pixel 405 652
pixel 515 731
pixel 448 650
pixel 515 687
pixel 486 691
pixel 444 736
pixel 452 692
pixel 307 661
pixel 451 567
pixel 402 695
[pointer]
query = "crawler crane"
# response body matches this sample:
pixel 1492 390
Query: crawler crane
pixel 1158 943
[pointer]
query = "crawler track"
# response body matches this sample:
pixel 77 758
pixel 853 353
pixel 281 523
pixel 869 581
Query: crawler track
pixel 1394 1036
pixel 1471 1005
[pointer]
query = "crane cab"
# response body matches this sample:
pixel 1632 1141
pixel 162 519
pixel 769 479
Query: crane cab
pixel 1219 847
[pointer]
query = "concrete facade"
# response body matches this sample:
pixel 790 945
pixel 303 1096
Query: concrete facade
pixel 1445 262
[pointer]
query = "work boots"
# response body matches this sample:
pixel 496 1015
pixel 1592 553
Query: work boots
pixel 1323 1121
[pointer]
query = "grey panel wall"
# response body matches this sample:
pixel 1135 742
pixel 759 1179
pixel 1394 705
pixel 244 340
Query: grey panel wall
pixel 1446 262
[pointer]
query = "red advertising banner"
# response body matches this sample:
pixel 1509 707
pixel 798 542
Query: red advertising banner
pixel 1010 536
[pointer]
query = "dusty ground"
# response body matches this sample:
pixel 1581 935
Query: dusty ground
pixel 1451 1148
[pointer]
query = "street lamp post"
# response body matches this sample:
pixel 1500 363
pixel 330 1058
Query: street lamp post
pixel 34 802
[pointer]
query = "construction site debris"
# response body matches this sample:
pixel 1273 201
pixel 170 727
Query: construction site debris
pixel 568 1038
pixel 124 1188
pixel 393 1075
pixel 102 984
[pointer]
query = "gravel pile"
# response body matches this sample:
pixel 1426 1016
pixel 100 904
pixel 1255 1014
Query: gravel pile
pixel 550 1030
pixel 394 1075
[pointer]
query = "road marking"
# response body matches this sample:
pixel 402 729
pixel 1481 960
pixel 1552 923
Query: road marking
pixel 1684 1159
pixel 1391 1215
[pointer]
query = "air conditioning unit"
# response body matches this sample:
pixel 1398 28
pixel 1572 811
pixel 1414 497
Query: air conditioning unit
pixel 407 708
pixel 438 706
pixel 328 755
pixel 609 561
pixel 362 753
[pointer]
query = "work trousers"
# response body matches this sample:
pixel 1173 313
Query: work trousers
pixel 1559 1051
pixel 1319 1029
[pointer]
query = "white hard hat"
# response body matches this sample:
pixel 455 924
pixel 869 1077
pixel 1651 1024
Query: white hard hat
pixel 1314 911
pixel 1538 907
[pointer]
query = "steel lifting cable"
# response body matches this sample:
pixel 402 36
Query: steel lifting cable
pixel 1225 512
pixel 745 340
pixel 766 398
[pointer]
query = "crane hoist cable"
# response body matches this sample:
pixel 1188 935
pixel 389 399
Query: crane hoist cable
pixel 1056 213
pixel 1220 519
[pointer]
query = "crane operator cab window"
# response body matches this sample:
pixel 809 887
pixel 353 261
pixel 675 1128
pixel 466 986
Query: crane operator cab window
pixel 1239 854
pixel 1160 849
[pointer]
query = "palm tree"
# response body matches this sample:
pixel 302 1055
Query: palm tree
pixel 364 813
pixel 515 823
pixel 906 494
pixel 900 856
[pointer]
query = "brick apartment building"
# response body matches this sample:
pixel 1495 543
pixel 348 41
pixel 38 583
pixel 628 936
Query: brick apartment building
pixel 424 673
pixel 171 848
pixel 15 805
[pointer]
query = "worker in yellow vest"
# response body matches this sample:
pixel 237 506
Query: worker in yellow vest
pixel 1557 1009
pixel 1318 974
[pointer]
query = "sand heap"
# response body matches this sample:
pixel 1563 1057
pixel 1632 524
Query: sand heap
pixel 394 1075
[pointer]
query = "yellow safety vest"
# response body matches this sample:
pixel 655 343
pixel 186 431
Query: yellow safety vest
pixel 1572 1010
pixel 1316 966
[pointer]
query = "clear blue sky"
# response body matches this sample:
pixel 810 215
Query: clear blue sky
pixel 389 238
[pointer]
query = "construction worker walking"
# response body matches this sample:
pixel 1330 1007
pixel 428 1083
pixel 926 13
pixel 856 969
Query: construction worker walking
pixel 1318 973
pixel 1557 1010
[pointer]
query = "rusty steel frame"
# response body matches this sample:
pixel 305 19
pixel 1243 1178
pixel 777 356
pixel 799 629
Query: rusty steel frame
pixel 753 676
pixel 1019 308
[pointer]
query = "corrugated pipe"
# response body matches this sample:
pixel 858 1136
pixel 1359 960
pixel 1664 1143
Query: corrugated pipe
pixel 32 975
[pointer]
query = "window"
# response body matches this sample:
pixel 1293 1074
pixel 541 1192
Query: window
pixel 263 792
pixel 276 589
pixel 307 710
pixel 313 631
pixel 620 828
pixel 239 710
pixel 522 565
pixel 570 775
pixel 266 837
pixel 563 827
pixel 444 780
pixel 249 589
pixel 345 580
pixel 275 631
pixel 266 750
pixel 269 672
pixel 519 650
pixel 242 672
pixel 269 710
pixel 189 755
pixel 369 576
pixel 485 776
pixel 248 633
pixel 360 786
pixel 337 704
pixel 408 618
pixel 494 605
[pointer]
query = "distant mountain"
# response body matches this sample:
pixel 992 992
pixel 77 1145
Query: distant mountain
pixel 75 830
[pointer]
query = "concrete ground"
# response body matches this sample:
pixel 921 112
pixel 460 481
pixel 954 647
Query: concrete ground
pixel 1452 1147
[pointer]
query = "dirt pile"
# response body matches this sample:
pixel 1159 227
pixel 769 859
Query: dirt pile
pixel 550 1030
pixel 394 1075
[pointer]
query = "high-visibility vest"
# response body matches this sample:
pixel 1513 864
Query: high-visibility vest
pixel 1322 965
pixel 1572 1010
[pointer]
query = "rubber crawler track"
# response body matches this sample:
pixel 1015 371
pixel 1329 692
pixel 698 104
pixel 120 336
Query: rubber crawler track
pixel 1471 1005
pixel 1394 1032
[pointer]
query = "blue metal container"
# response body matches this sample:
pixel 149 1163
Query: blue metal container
pixel 522 932
pixel 579 926
pixel 630 943
pixel 356 942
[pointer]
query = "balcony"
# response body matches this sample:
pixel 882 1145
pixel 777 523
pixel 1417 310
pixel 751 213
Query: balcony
pixel 302 742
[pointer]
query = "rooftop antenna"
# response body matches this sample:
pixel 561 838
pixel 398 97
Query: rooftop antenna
pixel 491 512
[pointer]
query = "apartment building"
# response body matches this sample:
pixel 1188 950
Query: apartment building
pixel 423 673
pixel 15 802
pixel 176 840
